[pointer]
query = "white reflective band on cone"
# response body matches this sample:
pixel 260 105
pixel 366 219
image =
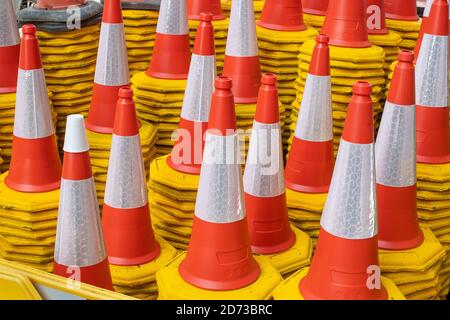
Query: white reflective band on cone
pixel 32 118
pixel 241 40
pixel 264 172
pixel 432 72
pixel 315 118
pixel 172 18
pixel 112 58
pixel 395 148
pixel 9 32
pixel 79 235
pixel 220 197
pixel 350 210
pixel 125 182
pixel 199 88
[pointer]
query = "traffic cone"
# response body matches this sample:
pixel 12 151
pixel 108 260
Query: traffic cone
pixel 35 164
pixel 111 72
pixel 401 17
pixel 352 59
pixel 287 247
pixel 433 134
pixel 407 253
pixel 159 91
pixel 68 48
pixel 9 48
pixel 314 12
pixel 257 4
pixel 345 263
pixel 219 22
pixel 310 162
pixel 281 32
pixel 129 237
pixel 174 178
pixel 219 242
pixel 379 34
pixel 80 252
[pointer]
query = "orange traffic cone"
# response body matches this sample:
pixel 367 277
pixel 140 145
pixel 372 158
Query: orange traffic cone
pixel 284 15
pixel 80 252
pixel 171 55
pixel 396 162
pixel 187 153
pixel 241 55
pixel 344 24
pixel 220 243
pixel 376 17
pixel 126 216
pixel 58 4
pixel 265 198
pixel 111 72
pixel 401 10
pixel 316 7
pixel 433 134
pixel 9 48
pixel 347 245
pixel 310 162
pixel 196 7
pixel 35 164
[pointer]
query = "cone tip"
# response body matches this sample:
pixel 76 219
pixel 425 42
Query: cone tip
pixel 126 92
pixel 269 79
pixel 362 88
pixel 322 38
pixel 206 17
pixel 75 140
pixel 29 29
pixel 223 82
pixel 405 56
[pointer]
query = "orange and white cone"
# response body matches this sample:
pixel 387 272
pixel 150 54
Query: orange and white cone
pixel 126 216
pixel 220 242
pixel 196 7
pixel 187 153
pixel 433 134
pixel 111 72
pixel 80 252
pixel 395 158
pixel 283 15
pixel 171 55
pixel 35 164
pixel 265 197
pixel 9 47
pixel 311 159
pixel 347 248
pixel 241 54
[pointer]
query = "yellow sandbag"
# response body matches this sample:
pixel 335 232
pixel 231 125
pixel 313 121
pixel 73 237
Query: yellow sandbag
pixel 288 37
pixel 134 44
pixel 412 288
pixel 37 261
pixel 143 82
pixel 7 100
pixel 430 195
pixel 170 220
pixel 69 81
pixel 303 215
pixel 29 216
pixel 407 43
pixel 423 295
pixel 350 81
pixel 179 242
pixel 347 73
pixel 76 33
pixel 27 225
pixel 179 230
pixel 139 23
pixel 435 223
pixel 276 55
pixel 433 172
pixel 75 88
pixel 287 47
pixel 391 39
pixel 147 52
pixel 174 212
pixel 184 207
pixel 31 250
pixel 433 205
pixel 313 20
pixel 68 50
pixel 170 192
pixel 64 42
pixel 414 276
pixel 345 64
pixel 18 241
pixel 147 289
pixel 71 73
pixel 306 201
pixel 403 25
pixel 140 32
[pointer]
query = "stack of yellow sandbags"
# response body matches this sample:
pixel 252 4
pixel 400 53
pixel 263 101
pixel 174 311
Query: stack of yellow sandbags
pixel 140 32
pixel 279 42
pixel 258 5
pixel 314 12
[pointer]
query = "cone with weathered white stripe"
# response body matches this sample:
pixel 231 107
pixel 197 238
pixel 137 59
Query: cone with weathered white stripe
pixel 35 164
pixel 433 134
pixel 265 197
pixel 126 216
pixel 9 47
pixel 187 152
pixel 80 252
pixel 310 162
pixel 220 243
pixel 111 72
pixel 347 247
pixel 395 152
pixel 171 55
pixel 241 55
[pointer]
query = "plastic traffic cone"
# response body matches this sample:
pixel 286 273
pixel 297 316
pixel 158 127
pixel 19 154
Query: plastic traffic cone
pixel 433 134
pixel 196 7
pixel 316 7
pixel 241 55
pixel 187 153
pixel 345 24
pixel 265 198
pixel 219 243
pixel 347 245
pixel 9 48
pixel 285 15
pixel 126 216
pixel 310 162
pixel 376 17
pixel 80 252
pixel 396 162
pixel 35 164
pixel 58 4
pixel 111 72
pixel 171 55
pixel 401 10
